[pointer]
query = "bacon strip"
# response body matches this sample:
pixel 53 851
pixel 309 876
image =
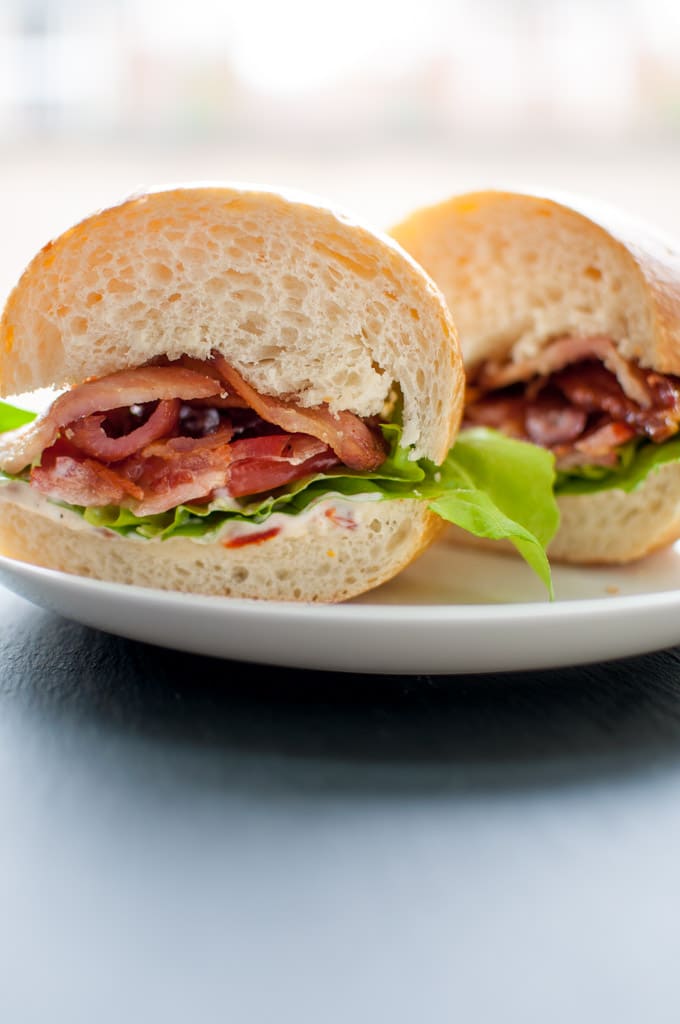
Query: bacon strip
pixel 602 441
pixel 578 397
pixel 561 353
pixel 20 447
pixel 244 467
pixel 256 476
pixel 500 411
pixel 88 435
pixel 292 448
pixel 171 446
pixel 598 448
pixel 63 476
pixel 349 437
pixel 187 477
pixel 181 454
pixel 551 420
pixel 591 387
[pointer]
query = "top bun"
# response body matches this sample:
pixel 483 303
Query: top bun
pixel 302 300
pixel 521 270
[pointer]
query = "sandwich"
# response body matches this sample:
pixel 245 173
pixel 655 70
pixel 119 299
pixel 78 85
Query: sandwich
pixel 253 395
pixel 568 314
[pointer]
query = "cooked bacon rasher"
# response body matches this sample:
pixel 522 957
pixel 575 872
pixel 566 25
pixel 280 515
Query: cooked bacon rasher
pixel 121 390
pixel 579 398
pixel 136 439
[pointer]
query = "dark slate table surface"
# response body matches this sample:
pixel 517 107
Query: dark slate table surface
pixel 184 839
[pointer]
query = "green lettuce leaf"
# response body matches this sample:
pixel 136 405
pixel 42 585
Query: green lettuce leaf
pixel 11 417
pixel 500 488
pixel 637 460
pixel 490 485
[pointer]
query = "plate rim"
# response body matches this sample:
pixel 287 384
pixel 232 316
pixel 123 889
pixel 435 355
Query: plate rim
pixel 558 608
pixel 440 639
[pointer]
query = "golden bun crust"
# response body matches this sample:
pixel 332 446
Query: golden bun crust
pixel 520 269
pixel 301 299
pixel 323 562
pixel 616 527
pixel 611 527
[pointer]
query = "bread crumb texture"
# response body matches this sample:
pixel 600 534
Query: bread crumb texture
pixel 615 527
pixel 521 270
pixel 290 567
pixel 299 299
pixel 606 528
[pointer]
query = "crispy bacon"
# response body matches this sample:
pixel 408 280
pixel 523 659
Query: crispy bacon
pixel 293 448
pixel 20 447
pixel 95 453
pixel 219 402
pixel 256 476
pixel 563 352
pixel 170 446
pixel 603 440
pixel 500 410
pixel 590 386
pixel 263 463
pixel 550 419
pixel 244 467
pixel 599 447
pixel 89 436
pixel 579 397
pixel 64 475
pixel 166 483
pixel 353 442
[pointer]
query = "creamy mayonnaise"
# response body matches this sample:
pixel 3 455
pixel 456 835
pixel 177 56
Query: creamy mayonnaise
pixel 336 510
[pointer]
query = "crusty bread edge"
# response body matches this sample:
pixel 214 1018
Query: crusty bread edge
pixel 609 527
pixel 638 525
pixel 653 256
pixel 434 447
pixel 322 562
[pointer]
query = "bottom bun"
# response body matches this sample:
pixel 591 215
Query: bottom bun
pixel 614 527
pixel 610 527
pixel 329 559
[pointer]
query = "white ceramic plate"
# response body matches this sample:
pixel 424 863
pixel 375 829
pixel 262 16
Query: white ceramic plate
pixel 455 610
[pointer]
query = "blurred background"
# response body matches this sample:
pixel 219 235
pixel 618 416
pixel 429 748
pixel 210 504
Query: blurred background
pixel 377 105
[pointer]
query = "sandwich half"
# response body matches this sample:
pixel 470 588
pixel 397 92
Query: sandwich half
pixel 256 396
pixel 568 314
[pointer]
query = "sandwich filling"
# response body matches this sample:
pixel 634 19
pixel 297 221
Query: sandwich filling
pixel 162 435
pixel 189 448
pixel 580 399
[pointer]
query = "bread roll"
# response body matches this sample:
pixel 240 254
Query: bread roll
pixel 522 270
pixel 312 560
pixel 309 307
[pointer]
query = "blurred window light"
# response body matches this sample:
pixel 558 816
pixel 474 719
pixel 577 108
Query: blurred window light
pixel 318 50
pixel 441 70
